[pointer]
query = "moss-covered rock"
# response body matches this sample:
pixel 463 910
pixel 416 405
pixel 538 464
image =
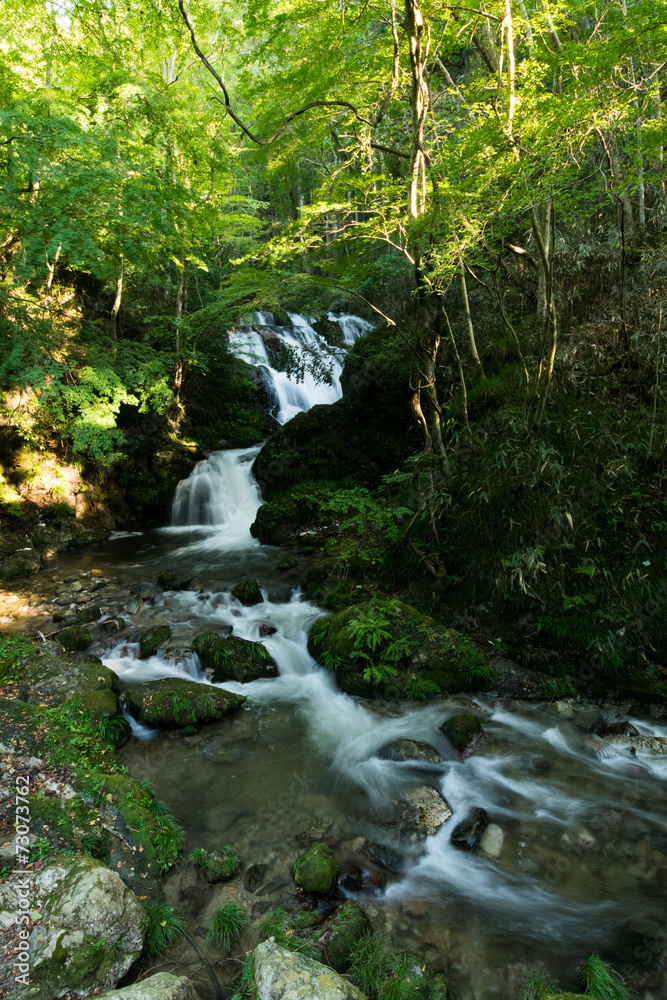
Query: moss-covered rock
pixel 218 866
pixel 340 934
pixel 91 930
pixel 462 731
pixel 316 871
pixel 388 648
pixel 74 638
pixel 280 974
pixel 229 658
pixel 247 592
pixel 175 702
pixel 152 639
pixel 160 986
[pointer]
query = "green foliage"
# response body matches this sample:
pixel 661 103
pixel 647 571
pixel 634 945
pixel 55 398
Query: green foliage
pixel 385 974
pixel 226 924
pixel 162 927
pixel 289 929
pixel 12 649
pixel 218 865
pixel 375 644
pixel 602 982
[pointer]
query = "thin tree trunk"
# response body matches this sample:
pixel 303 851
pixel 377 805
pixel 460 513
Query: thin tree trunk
pixel 471 330
pixel 116 305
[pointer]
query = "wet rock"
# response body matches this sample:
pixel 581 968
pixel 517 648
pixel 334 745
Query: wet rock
pixel 265 629
pixel 166 580
pixel 230 658
pixel 279 974
pixel 99 584
pixel 341 933
pixel 254 877
pixel 144 592
pixel 491 841
pixel 150 640
pixel 599 748
pixel 424 810
pixel 511 680
pixel 468 833
pixel 316 871
pixel 286 564
pixel 132 606
pixel 462 731
pixel 74 638
pixel 387 857
pixel 317 829
pixel 159 986
pixel 218 866
pixel 175 702
pixel 247 592
pixel 405 750
pixel 110 626
pixel 619 729
pixel 647 744
pixel 92 929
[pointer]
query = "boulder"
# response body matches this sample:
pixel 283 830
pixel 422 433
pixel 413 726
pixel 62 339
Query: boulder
pixel 647 744
pixel 405 750
pixel 417 658
pixel 280 974
pixel 316 871
pixel 150 640
pixel 247 592
pixel 91 930
pixel 468 833
pixel 232 659
pixel 340 934
pixel 424 811
pixel 50 680
pixel 174 701
pixel 462 731
pixel 160 986
pixel 75 638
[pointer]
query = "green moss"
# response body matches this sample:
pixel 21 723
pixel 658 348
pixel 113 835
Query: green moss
pixel 462 730
pixel 13 648
pixel 218 866
pixel 150 640
pixel 247 592
pixel 230 658
pixel 316 871
pixel 74 638
pixel 340 934
pixel 175 702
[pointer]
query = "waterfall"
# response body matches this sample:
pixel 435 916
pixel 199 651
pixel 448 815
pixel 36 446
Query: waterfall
pixel 220 493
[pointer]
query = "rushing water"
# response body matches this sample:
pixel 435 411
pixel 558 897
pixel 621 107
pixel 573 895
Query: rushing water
pixel 579 854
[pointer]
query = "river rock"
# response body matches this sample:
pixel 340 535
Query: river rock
pixel 317 829
pixel 175 701
pixel 424 810
pixel 91 930
pixel 387 857
pixel 468 833
pixel 280 974
pixel 160 986
pixel 649 744
pixel 406 750
pixel 340 933
pixel 218 866
pixel 491 841
pixel 316 871
pixel 247 592
pixel 74 638
pixel 152 639
pixel 462 731
pixel 232 659
pixel 53 680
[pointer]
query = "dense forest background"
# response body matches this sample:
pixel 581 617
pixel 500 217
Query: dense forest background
pixel 484 182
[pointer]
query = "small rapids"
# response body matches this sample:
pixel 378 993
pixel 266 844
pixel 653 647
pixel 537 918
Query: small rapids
pixel 578 856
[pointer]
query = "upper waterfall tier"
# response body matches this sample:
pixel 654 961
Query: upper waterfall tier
pixel 260 341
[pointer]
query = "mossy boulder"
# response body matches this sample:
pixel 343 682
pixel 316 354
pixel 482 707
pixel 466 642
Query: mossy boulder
pixel 278 522
pixel 152 639
pixel 75 638
pixel 218 866
pixel 247 592
pixel 462 731
pixel 388 648
pixel 91 931
pixel 166 580
pixel 160 986
pixel 175 702
pixel 231 659
pixel 316 871
pixel 340 934
pixel 280 974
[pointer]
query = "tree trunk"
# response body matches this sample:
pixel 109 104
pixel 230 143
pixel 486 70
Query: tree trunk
pixel 471 330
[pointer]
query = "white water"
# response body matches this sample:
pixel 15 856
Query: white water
pixel 544 815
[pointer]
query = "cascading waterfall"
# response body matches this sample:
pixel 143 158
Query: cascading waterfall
pixel 534 772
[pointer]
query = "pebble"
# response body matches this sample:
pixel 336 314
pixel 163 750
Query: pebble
pixel 492 840
pixel 132 606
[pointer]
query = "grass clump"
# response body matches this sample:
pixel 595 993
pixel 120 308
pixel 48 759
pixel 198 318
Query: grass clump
pixel 227 923
pixel 289 930
pixel 384 974
pixel 217 865
pixel 162 926
pixel 602 982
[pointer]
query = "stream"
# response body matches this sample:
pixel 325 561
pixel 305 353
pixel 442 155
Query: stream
pixel 577 858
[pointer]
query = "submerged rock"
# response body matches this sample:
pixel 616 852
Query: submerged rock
pixel 462 731
pixel 317 829
pixel 405 750
pixel 160 986
pixel 91 931
pixel 316 871
pixel 247 592
pixel 468 833
pixel 152 639
pixel 232 659
pixel 280 974
pixel 387 857
pixel 175 701
pixel 340 934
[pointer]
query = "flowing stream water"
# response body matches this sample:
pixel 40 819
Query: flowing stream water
pixel 577 858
